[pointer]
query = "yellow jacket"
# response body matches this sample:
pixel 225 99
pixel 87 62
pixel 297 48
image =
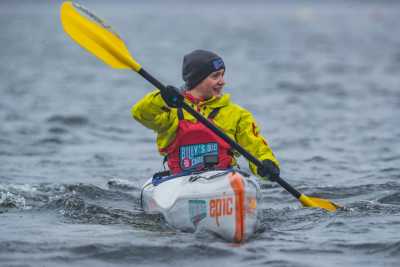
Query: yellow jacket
pixel 235 121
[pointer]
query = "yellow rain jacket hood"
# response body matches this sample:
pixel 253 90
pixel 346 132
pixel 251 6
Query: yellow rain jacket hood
pixel 235 121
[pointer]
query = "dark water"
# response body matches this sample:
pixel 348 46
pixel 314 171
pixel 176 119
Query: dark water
pixel 322 79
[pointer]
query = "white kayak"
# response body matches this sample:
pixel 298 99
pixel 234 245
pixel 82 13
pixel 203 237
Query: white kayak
pixel 223 202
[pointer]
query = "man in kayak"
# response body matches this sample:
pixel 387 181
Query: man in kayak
pixel 187 143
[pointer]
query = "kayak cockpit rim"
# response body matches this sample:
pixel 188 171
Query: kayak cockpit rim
pixel 158 178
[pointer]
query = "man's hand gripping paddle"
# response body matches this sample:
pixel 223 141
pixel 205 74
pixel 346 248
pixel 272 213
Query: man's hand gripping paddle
pixel 95 36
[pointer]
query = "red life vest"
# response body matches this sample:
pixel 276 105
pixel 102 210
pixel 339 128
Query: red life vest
pixel 193 141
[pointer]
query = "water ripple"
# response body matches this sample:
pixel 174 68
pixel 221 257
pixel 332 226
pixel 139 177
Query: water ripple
pixel 390 199
pixel 140 253
pixel 385 248
pixel 69 120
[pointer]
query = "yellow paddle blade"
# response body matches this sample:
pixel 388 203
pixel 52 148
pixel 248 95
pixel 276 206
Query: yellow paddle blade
pixel 91 33
pixel 318 203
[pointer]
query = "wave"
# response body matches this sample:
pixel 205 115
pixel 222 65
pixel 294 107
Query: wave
pixel 10 200
pixel 69 120
pixel 50 140
pixel 337 192
pixel 76 210
pixel 121 252
pixel 316 159
pixel 123 184
pixel 82 203
pixel 42 195
pixel 141 253
pixel 58 130
pixel 386 248
pixel 391 199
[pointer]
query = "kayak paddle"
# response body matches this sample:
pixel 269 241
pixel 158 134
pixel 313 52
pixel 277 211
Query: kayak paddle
pixel 95 36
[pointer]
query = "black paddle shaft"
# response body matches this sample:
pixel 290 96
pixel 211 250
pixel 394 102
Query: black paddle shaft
pixel 218 132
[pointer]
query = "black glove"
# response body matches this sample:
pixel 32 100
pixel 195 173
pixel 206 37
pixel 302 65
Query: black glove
pixel 172 97
pixel 269 169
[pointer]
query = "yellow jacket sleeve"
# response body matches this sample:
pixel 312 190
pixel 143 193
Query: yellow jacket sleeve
pixel 153 113
pixel 249 137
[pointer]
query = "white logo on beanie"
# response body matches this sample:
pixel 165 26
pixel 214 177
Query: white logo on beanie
pixel 218 63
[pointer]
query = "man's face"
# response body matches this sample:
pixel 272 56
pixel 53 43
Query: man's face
pixel 211 86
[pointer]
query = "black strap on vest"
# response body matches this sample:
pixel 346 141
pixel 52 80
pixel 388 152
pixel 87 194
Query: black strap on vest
pixel 213 113
pixel 211 116
pixel 165 161
pixel 180 114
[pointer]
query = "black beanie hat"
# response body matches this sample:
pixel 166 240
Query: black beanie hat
pixel 197 65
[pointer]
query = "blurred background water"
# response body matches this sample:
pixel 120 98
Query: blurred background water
pixel 322 79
